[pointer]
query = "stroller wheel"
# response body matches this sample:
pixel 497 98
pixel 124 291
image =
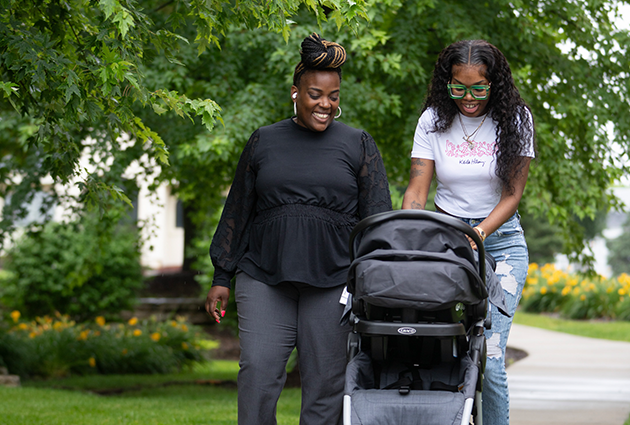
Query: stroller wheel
pixel 353 345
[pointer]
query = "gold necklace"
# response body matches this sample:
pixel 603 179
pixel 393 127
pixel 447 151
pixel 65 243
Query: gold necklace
pixel 471 144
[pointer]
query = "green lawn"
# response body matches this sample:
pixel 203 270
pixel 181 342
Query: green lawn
pixel 615 331
pixel 184 398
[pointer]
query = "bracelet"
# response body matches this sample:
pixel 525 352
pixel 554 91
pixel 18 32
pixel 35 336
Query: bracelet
pixel 481 233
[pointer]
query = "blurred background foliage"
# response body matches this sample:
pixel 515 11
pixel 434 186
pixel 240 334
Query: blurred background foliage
pixel 175 89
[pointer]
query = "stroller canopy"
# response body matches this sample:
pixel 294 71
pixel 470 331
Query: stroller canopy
pixel 416 259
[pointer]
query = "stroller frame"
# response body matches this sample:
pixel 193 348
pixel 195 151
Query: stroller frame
pixel 397 333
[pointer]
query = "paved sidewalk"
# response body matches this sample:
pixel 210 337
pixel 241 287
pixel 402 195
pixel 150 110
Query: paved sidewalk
pixel 567 379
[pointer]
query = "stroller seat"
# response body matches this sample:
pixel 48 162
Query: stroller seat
pixel 418 312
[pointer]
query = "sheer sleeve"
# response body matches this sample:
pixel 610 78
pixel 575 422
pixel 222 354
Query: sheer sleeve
pixel 374 194
pixel 232 235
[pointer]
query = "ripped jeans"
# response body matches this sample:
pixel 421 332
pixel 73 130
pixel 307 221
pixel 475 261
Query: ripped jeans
pixel 508 247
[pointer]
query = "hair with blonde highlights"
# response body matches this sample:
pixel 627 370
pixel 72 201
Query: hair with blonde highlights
pixel 318 54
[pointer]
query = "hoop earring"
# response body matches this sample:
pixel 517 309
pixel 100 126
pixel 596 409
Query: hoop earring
pixel 294 109
pixel 338 110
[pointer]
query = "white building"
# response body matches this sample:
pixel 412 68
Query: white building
pixel 163 250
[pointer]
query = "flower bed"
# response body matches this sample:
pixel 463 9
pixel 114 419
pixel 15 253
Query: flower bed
pixel 57 346
pixel 573 296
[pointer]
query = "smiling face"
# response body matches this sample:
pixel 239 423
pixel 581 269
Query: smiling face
pixel 470 75
pixel 317 99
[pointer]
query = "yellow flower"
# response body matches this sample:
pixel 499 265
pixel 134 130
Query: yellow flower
pixel 543 290
pixel 532 267
pixel 137 332
pixel 532 280
pixel 184 346
pixel 548 268
pixel 133 321
pixel 32 335
pixel 155 336
pixel 583 297
pixel 15 315
pixel 23 326
pixel 566 290
pixel 92 362
pixel 100 320
pixel 624 278
pixel 57 326
pixel 173 323
pixel 184 328
pixel 83 335
pixel 622 292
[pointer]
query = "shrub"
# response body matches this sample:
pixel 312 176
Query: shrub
pixel 545 289
pixel 81 269
pixel 548 289
pixel 57 346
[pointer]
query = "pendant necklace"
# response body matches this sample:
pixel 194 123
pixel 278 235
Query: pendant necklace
pixel 467 137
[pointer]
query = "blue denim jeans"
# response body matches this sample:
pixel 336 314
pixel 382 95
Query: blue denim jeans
pixel 508 247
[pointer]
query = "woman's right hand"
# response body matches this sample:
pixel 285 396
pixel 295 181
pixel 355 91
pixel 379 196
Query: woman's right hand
pixel 217 301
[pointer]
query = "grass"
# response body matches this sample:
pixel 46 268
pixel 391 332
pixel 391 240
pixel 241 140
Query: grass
pixel 147 399
pixel 602 329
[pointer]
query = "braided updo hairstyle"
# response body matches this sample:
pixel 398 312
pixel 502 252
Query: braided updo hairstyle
pixel 319 55
pixel 505 105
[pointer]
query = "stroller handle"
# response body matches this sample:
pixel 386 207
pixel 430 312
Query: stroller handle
pixel 422 215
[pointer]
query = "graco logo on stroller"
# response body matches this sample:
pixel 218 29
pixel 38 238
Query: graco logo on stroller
pixel 406 331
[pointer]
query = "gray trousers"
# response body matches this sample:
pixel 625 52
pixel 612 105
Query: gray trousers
pixel 272 321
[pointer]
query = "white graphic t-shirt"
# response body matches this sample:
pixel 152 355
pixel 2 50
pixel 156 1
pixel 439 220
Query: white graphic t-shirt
pixel 467 184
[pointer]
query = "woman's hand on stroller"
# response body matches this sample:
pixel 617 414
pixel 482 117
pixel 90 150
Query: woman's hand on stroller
pixel 472 243
pixel 217 298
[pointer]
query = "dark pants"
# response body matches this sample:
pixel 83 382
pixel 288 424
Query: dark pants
pixel 272 321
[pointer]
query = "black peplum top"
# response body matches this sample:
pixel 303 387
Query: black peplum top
pixel 295 198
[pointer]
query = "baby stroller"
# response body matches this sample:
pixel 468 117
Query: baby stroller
pixel 418 304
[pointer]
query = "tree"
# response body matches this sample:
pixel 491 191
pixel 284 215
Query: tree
pixel 570 63
pixel 619 251
pixel 543 239
pixel 73 86
pixel 568 58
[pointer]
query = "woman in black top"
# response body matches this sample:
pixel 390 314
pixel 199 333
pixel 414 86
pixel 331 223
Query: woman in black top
pixel 300 187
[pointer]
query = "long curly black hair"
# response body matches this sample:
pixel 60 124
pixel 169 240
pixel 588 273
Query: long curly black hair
pixel 515 125
pixel 319 54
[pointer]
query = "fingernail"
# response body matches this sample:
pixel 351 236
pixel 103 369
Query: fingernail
pixel 223 313
pixel 218 321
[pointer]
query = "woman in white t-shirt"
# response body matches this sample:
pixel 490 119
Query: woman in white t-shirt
pixel 477 134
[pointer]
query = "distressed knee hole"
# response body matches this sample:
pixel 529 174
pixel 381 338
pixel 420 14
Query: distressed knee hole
pixel 508 281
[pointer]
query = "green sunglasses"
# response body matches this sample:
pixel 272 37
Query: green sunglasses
pixel 458 91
